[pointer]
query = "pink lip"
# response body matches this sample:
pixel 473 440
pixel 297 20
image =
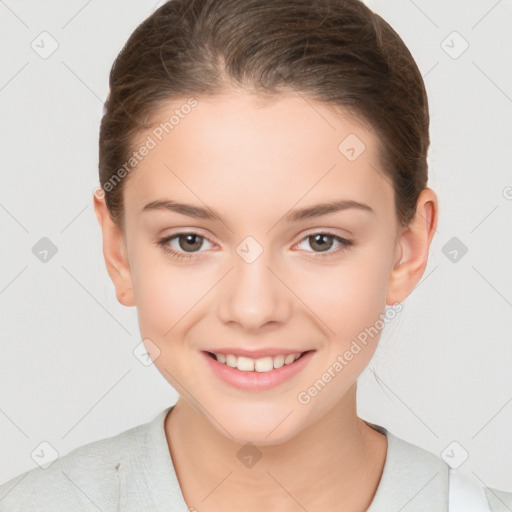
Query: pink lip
pixel 257 381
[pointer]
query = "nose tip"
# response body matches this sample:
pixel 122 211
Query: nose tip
pixel 253 297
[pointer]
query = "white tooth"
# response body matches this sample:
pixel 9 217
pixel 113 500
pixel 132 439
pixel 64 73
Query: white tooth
pixel 245 364
pixel 265 364
pixel 289 359
pixel 231 360
pixel 278 361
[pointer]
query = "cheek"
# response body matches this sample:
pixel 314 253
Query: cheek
pixel 349 303
pixel 349 299
pixel 352 292
pixel 164 293
pixel 166 296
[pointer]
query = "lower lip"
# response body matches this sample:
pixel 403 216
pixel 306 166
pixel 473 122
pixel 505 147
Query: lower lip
pixel 257 381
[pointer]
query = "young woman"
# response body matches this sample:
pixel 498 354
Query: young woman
pixel 263 202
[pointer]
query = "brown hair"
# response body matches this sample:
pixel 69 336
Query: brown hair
pixel 336 51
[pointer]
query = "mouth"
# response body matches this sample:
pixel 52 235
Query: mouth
pixel 261 364
pixel 260 374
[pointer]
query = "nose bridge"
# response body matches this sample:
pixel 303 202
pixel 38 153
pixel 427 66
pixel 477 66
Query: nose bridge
pixel 253 296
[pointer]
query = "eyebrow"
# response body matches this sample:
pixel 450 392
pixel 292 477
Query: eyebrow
pixel 308 212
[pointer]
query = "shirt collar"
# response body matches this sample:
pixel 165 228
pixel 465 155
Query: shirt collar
pixel 412 477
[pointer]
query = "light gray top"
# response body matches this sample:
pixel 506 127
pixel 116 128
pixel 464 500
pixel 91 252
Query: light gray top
pixel 133 471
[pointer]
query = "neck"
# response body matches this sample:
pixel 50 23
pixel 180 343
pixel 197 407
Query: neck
pixel 336 462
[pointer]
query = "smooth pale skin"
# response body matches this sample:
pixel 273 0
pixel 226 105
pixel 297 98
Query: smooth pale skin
pixel 253 161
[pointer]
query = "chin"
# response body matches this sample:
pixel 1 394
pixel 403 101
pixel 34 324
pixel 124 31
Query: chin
pixel 262 424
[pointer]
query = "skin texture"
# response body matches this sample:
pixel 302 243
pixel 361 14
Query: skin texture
pixel 254 161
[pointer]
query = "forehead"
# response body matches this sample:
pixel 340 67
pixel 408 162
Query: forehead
pixel 244 152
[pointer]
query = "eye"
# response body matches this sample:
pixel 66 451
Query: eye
pixel 182 245
pixel 322 242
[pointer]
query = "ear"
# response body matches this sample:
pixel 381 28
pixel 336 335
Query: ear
pixel 412 248
pixel 114 251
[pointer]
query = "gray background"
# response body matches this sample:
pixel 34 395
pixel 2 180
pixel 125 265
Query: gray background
pixel 68 374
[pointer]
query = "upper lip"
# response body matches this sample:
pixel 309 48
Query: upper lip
pixel 256 354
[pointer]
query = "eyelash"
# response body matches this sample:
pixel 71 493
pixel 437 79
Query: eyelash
pixel 163 243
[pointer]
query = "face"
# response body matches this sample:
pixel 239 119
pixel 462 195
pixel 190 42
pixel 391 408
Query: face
pixel 254 266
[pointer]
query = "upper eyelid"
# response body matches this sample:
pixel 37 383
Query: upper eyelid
pixel 314 231
pixel 327 231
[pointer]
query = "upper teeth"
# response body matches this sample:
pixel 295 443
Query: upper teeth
pixel 264 364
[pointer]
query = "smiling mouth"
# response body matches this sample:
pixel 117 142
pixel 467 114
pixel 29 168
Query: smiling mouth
pixel 261 365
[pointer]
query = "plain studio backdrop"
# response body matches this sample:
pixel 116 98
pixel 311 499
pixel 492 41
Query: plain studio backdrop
pixel 441 376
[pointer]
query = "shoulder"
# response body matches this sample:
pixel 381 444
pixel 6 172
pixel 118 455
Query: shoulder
pixel 84 479
pixel 412 478
pixel 467 493
pixel 499 501
pixel 424 481
pixel 461 492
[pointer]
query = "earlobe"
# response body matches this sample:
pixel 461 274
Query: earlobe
pixel 114 252
pixel 412 250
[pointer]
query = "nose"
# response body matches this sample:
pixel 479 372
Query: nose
pixel 253 296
